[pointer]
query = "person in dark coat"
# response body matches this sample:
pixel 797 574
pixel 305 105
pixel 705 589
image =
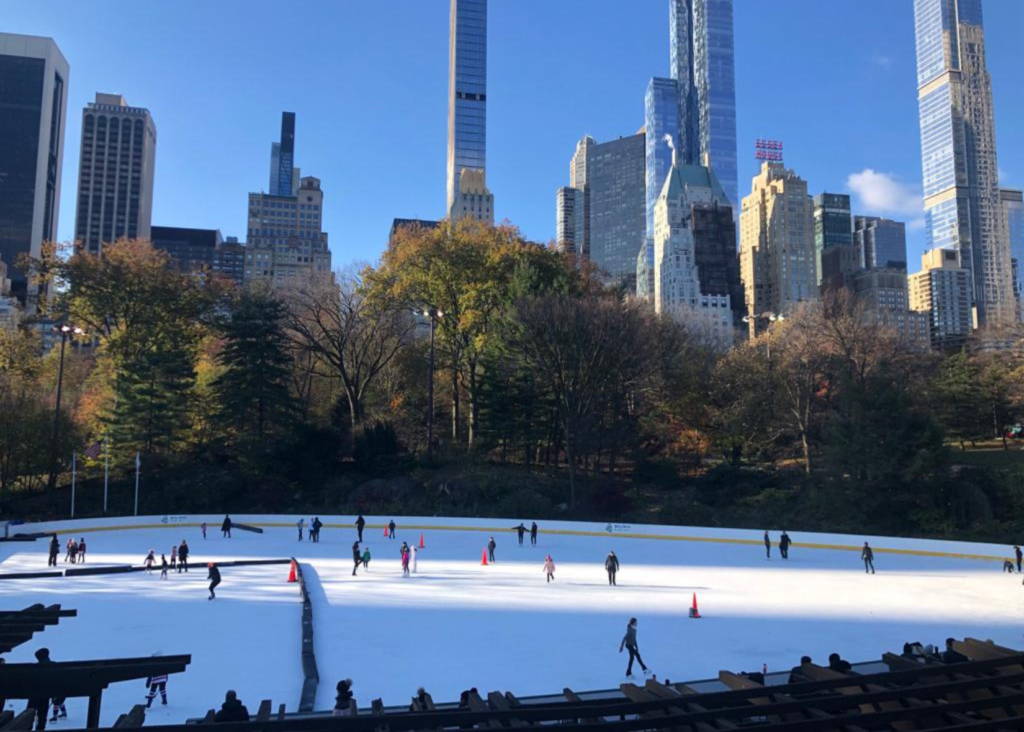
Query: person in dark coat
pixel 344 702
pixel 491 546
pixel 357 558
pixel 214 577
pixel 231 710
pixel 317 525
pixel 42 705
pixel 225 528
pixel 360 525
pixel 767 545
pixel 952 656
pixel 521 531
pixel 1019 554
pixel 784 542
pixel 869 558
pixel 391 529
pixel 629 643
pixel 54 552
pixel 81 551
pixel 74 552
pixel 836 663
pixel 795 675
pixel 533 534
pixel 611 564
pixel 183 551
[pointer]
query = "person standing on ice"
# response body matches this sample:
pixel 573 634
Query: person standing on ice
pixel 629 643
pixel 391 529
pixel 414 550
pixel 225 528
pixel 869 558
pixel 1020 555
pixel 549 568
pixel 611 564
pixel 533 534
pixel 54 552
pixel 67 547
pixel 767 545
pixel 81 551
pixel 156 684
pixel 183 552
pixel 300 524
pixel 163 566
pixel 202 527
pixel 214 577
pixel 360 525
pixel 357 558
pixel 405 560
pixel 784 543
pixel 521 531
pixel 149 561
pixel 74 552
pixel 317 525
pixel 174 557
pixel 491 546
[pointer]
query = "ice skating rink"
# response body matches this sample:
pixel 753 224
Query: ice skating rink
pixel 455 624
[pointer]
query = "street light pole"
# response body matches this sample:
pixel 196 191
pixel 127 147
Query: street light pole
pixel 65 331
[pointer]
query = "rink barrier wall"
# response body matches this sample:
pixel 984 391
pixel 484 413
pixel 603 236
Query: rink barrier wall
pixel 720 536
pixel 128 568
pixel 310 672
pixel 29 575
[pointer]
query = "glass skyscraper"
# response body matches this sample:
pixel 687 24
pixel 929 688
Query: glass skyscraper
pixel 958 150
pixel 832 225
pixel 283 177
pixel 1013 201
pixel 467 91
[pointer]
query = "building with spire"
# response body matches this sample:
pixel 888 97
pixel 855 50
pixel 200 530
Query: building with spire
pixel 962 204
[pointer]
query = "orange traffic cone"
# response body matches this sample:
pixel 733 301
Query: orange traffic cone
pixel 385 532
pixel 483 559
pixel 291 572
pixel 694 612
pixel 422 545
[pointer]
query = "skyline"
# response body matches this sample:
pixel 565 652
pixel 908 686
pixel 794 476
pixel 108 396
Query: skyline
pixel 342 134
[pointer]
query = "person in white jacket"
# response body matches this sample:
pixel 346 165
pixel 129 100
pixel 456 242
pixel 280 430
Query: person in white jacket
pixel 549 568
pixel 414 558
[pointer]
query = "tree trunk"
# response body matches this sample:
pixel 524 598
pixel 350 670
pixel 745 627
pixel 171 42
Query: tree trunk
pixel 474 404
pixel 455 403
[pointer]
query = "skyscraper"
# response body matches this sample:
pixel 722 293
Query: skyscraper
pixel 569 220
pixel 832 226
pixel 777 263
pixel 33 102
pixel 284 176
pixel 882 242
pixel 467 93
pixel 703 65
pixel 958 150
pixel 115 173
pixel 1013 203
pixel 942 291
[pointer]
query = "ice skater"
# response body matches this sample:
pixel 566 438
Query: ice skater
pixel 225 528
pixel 360 525
pixel 1020 555
pixel 869 558
pixel 163 566
pixel 629 643
pixel 174 557
pixel 533 534
pixel 611 564
pixel 549 568
pixel 149 561
pixel 202 527
pixel 74 551
pixel 414 550
pixel 405 560
pixel 317 525
pixel 767 545
pixel 357 558
pixel 300 524
pixel 491 546
pixel 81 551
pixel 214 577
pixel 784 542
pixel 67 552
pixel 183 552
pixel 54 553
pixel 521 531
pixel 391 529
pixel 366 559
pixel 156 684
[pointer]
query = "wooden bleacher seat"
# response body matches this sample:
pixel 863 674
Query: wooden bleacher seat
pixel 135 718
pixel 263 713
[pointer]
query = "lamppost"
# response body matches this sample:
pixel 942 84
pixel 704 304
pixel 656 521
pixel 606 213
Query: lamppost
pixel 66 331
pixel 770 318
pixel 435 316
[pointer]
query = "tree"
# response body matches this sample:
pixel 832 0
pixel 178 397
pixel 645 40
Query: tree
pixel 956 401
pixel 351 335
pixel 252 390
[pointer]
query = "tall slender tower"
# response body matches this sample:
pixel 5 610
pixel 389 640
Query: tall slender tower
pixel 115 173
pixel 467 96
pixel 284 176
pixel 962 207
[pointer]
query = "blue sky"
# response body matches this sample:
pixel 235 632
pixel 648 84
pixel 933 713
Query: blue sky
pixel 833 79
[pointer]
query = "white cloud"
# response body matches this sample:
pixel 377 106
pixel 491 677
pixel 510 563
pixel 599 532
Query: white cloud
pixel 883 194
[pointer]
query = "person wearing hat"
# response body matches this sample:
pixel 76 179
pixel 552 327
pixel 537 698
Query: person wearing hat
pixel 549 568
pixel 345 703
pixel 214 577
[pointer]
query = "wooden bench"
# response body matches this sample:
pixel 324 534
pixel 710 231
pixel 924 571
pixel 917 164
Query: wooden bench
pixel 135 718
pixel 20 721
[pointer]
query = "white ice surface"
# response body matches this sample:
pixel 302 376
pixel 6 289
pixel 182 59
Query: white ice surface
pixel 457 624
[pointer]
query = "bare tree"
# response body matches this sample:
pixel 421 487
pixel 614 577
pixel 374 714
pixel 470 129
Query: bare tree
pixel 351 337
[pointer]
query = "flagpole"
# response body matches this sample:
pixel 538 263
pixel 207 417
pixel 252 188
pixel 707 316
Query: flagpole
pixel 74 458
pixel 137 465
